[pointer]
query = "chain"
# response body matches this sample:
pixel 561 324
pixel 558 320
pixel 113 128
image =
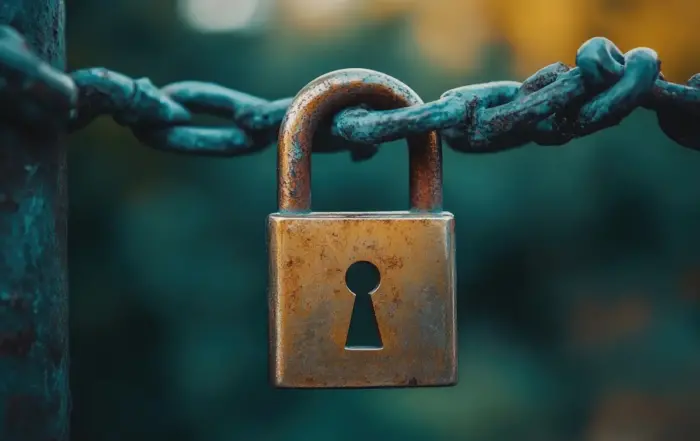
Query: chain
pixel 554 106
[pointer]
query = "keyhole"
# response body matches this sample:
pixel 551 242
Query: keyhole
pixel 362 279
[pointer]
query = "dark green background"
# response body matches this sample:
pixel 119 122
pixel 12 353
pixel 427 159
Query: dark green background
pixel 578 266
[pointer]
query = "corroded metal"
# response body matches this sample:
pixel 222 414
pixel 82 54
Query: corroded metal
pixel 323 98
pixel 33 94
pixel 34 396
pixel 555 105
pixel 310 303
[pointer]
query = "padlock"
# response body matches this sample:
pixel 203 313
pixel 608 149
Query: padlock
pixel 310 252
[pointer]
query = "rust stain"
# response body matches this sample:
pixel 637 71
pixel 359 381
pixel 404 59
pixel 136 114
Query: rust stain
pixel 7 204
pixel 26 415
pixel 17 343
pixel 392 262
pixel 16 302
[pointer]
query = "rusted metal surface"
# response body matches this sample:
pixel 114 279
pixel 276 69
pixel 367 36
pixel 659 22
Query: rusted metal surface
pixel 311 305
pixel 33 93
pixel 310 253
pixel 34 398
pixel 319 101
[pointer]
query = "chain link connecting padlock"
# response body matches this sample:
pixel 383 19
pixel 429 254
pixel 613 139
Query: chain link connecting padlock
pixel 310 252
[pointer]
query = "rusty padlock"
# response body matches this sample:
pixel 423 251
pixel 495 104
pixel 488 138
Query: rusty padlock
pixel 310 252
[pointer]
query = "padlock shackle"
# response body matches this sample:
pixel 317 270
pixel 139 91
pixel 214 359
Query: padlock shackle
pixel 326 96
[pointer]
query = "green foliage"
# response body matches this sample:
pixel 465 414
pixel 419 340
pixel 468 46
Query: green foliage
pixel 577 265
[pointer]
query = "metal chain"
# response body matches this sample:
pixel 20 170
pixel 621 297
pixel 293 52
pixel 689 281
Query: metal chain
pixel 555 105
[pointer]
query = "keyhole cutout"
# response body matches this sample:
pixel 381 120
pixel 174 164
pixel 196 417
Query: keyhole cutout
pixel 362 279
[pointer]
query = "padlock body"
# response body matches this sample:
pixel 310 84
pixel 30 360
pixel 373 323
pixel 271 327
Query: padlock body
pixel 311 305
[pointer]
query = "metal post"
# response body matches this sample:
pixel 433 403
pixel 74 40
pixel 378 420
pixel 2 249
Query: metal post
pixel 34 395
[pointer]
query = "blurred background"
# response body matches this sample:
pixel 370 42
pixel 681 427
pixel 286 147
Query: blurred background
pixel 578 266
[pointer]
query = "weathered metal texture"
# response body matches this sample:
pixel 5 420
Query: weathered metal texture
pixel 311 305
pixel 555 105
pixel 310 253
pixel 552 107
pixel 33 93
pixel 319 101
pixel 34 396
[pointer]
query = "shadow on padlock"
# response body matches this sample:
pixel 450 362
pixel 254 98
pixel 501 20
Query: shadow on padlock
pixel 311 306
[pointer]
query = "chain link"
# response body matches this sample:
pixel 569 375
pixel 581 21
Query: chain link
pixel 554 106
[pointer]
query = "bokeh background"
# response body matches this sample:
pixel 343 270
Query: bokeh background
pixel 578 266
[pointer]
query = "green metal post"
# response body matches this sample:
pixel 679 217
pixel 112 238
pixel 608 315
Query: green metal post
pixel 34 394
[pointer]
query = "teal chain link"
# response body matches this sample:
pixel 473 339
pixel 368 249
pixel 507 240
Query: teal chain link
pixel 554 106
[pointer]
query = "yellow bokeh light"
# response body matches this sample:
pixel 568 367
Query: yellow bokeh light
pixel 453 33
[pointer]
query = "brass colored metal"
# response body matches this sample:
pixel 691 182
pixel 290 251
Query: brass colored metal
pixel 310 303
